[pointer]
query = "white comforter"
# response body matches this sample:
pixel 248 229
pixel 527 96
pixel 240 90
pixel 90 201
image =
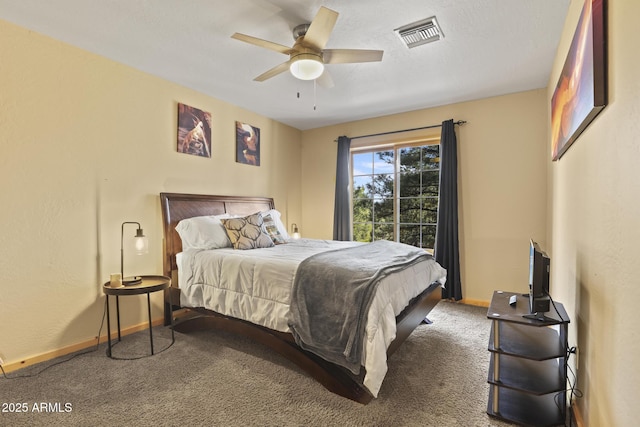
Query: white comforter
pixel 255 285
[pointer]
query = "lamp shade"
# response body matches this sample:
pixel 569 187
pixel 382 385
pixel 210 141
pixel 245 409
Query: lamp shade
pixel 306 66
pixel 296 232
pixel 141 243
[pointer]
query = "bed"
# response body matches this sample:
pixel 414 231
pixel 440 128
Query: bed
pixel 208 308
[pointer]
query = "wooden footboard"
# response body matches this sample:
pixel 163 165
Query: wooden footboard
pixel 333 377
pixel 412 316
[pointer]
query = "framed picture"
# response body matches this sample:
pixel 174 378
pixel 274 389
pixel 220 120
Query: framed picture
pixel 247 144
pixel 194 131
pixel 581 92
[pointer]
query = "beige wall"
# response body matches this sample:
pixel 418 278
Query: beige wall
pixel 502 154
pixel 594 229
pixel 85 144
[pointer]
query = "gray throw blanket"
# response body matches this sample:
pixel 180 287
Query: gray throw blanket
pixel 332 293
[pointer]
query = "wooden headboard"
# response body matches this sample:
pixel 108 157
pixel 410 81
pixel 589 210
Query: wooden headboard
pixel 178 206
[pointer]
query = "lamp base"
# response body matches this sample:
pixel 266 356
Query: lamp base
pixel 131 280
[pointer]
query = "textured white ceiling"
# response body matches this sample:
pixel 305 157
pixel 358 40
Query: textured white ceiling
pixel 491 47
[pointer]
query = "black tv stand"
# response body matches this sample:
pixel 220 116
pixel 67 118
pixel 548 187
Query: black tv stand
pixel 528 370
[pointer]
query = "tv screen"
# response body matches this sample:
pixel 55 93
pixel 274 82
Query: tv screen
pixel 539 265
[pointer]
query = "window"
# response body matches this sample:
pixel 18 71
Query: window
pixel 395 194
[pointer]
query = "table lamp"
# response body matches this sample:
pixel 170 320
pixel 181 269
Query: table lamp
pixel 296 232
pixel 141 246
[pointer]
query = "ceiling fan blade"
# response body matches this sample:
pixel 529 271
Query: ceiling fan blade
pixel 320 29
pixel 325 79
pixel 273 72
pixel 346 56
pixel 262 43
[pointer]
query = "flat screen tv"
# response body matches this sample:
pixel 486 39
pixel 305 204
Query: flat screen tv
pixel 539 265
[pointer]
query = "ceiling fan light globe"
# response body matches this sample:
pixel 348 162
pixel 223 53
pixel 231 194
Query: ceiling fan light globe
pixel 306 68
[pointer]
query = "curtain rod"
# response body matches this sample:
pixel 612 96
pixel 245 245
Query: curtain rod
pixel 459 122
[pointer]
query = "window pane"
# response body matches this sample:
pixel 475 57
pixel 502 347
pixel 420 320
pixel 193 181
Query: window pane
pixel 430 210
pixel 383 210
pixel 431 157
pixel 410 211
pixel 410 234
pixel 396 198
pixel 430 183
pixel 384 162
pixel 362 232
pixel 428 236
pixel 362 164
pixel 363 210
pixel 410 159
pixel 410 184
pixel 383 185
pixel 383 232
pixel 362 186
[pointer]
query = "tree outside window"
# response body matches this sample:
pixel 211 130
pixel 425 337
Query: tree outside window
pixel 395 194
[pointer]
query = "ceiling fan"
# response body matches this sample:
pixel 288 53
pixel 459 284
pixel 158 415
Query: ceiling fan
pixel 307 56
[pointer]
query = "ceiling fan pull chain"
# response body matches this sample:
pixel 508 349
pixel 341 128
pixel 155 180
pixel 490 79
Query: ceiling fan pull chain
pixel 314 94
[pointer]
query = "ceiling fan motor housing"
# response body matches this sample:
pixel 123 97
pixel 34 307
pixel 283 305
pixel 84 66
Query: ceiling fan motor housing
pixel 300 31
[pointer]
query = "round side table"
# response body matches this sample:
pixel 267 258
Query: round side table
pixel 148 285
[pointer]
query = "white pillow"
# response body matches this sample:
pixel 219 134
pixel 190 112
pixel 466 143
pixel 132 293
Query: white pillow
pixel 275 215
pixel 203 232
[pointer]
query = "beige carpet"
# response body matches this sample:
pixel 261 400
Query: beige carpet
pixel 437 378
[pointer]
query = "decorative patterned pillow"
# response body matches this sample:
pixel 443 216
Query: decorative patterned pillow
pixel 272 229
pixel 247 232
pixel 275 215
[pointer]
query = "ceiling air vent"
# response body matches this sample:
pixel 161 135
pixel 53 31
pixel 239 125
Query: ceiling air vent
pixel 421 32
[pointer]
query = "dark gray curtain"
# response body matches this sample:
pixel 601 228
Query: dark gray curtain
pixel 342 213
pixel 447 251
